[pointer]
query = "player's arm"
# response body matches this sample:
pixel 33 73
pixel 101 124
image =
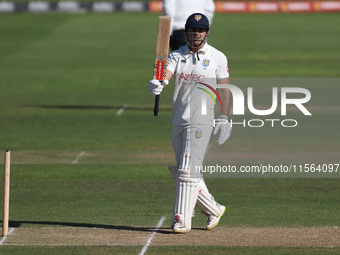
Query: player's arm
pixel 225 97
pixel 168 75
pixel 224 125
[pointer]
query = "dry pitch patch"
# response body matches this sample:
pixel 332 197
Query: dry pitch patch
pixel 221 236
pixel 249 153
pixel 90 157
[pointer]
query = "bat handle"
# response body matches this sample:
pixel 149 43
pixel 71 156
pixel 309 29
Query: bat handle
pixel 156 108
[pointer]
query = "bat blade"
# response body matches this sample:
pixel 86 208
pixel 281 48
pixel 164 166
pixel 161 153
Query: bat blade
pixel 162 51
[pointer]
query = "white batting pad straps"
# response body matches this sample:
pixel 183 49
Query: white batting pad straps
pixel 185 162
pixel 185 201
pixel 206 202
pixel 185 172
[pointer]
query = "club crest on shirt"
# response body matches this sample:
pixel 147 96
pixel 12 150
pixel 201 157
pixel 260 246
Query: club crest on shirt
pixel 198 134
pixel 206 62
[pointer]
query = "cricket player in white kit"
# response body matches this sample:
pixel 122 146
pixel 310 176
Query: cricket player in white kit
pixel 196 68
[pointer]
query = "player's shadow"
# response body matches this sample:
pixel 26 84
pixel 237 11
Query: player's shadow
pixel 162 230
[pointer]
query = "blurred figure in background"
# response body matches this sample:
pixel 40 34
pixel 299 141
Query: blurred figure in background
pixel 179 10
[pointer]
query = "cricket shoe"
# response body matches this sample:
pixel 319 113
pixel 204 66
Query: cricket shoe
pixel 180 228
pixel 212 220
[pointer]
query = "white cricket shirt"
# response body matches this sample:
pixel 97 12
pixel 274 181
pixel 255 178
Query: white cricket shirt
pixel 192 101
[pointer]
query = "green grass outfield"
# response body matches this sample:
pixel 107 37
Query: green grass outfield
pixel 64 77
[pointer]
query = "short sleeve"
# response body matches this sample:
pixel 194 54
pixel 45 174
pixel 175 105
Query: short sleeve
pixel 222 70
pixel 172 61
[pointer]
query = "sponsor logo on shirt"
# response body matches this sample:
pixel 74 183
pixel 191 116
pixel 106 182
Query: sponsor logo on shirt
pixel 191 77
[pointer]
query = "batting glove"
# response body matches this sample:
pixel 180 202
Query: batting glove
pixel 225 130
pixel 155 86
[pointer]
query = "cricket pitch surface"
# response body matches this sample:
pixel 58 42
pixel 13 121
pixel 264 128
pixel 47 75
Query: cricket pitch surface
pixel 220 236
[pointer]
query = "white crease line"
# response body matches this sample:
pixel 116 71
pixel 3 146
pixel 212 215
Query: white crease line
pixel 152 236
pixel 5 237
pixel 121 110
pixel 79 156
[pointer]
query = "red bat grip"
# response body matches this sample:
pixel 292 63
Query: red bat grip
pixel 159 76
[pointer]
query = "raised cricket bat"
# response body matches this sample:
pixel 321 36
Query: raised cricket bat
pixel 162 51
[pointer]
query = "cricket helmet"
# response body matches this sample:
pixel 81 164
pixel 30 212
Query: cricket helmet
pixel 197 20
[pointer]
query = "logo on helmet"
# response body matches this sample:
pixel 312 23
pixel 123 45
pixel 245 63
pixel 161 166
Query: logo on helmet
pixel 198 17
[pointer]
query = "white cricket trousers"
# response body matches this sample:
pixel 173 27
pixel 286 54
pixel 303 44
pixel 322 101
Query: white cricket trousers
pixel 192 140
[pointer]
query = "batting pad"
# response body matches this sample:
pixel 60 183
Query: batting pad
pixel 185 200
pixel 206 202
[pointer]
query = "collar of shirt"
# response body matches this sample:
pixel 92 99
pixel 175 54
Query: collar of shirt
pixel 200 51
